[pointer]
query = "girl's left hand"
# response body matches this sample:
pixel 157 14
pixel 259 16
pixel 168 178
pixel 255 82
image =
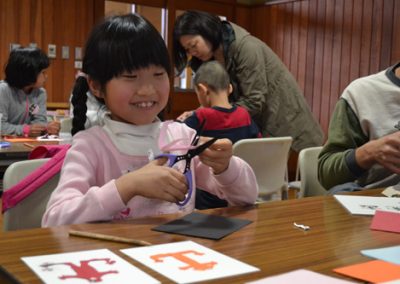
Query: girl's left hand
pixel 218 155
pixel 53 127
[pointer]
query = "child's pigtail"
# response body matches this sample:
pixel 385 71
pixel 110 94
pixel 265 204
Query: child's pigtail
pixel 78 101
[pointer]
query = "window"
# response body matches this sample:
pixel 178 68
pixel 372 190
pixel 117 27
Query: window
pixel 157 16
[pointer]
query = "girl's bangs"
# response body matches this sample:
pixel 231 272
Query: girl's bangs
pixel 138 52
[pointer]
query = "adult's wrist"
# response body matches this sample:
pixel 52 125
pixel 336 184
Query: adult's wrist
pixel 364 157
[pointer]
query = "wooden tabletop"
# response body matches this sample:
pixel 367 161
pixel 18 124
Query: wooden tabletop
pixel 270 242
pixel 19 151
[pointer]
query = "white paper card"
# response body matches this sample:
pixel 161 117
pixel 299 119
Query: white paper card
pixel 188 262
pixel 392 191
pixel 366 205
pixel 47 137
pixel 101 266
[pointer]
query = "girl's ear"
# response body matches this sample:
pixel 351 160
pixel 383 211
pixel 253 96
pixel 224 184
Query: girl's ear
pixel 95 88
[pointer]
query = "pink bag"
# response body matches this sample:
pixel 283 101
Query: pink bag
pixel 38 177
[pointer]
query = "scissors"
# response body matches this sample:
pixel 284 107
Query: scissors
pixel 191 153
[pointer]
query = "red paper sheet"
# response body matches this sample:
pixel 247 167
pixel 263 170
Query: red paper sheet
pixel 386 221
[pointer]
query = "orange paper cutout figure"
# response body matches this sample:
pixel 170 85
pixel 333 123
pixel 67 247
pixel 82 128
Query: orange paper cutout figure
pixel 182 256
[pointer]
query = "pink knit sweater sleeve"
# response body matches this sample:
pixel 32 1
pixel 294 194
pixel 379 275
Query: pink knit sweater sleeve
pixel 237 185
pixel 78 198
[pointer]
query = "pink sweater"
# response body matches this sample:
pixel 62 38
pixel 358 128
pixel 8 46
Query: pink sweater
pixel 87 192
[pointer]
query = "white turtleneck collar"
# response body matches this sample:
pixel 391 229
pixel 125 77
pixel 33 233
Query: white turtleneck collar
pixel 134 139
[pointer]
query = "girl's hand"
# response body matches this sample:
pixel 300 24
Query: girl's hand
pixel 218 155
pixel 53 127
pixel 36 130
pixel 154 181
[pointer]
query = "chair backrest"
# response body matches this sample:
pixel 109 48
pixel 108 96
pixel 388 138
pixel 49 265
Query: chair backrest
pixel 27 213
pixel 268 157
pixel 66 125
pixel 308 169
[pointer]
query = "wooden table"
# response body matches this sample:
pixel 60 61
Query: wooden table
pixel 16 152
pixel 270 243
pixel 19 151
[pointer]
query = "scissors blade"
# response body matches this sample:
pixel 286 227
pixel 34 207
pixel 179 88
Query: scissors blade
pixel 199 131
pixel 202 147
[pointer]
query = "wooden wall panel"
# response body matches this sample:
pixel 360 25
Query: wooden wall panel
pixel 336 54
pixel 326 44
pixel 243 17
pixel 395 52
pixel 60 22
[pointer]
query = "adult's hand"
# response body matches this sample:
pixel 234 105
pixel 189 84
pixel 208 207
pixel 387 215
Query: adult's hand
pixel 384 151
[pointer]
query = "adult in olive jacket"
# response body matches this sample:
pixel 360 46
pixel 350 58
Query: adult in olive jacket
pixel 262 83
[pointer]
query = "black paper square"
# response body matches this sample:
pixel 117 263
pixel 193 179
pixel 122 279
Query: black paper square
pixel 203 226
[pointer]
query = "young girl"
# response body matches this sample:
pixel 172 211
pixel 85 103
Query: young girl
pixel 108 172
pixel 22 96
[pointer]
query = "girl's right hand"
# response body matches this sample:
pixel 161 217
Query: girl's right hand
pixel 53 127
pixel 155 181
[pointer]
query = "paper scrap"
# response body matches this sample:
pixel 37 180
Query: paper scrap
pixel 389 254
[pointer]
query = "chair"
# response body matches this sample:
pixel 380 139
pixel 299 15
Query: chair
pixel 268 157
pixel 66 125
pixel 27 213
pixel 308 170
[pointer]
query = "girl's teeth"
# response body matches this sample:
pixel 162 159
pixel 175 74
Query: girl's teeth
pixel 145 104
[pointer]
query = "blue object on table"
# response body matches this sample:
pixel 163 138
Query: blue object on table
pixel 173 159
pixel 5 144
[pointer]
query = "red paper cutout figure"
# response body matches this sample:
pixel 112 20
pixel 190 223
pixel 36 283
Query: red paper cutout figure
pixel 182 256
pixel 84 270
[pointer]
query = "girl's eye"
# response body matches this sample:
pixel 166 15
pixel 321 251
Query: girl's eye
pixel 158 74
pixel 129 77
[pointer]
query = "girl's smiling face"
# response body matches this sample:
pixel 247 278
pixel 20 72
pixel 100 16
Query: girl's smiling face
pixel 137 97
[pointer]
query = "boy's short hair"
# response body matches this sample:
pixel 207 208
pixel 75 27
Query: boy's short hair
pixel 24 65
pixel 214 75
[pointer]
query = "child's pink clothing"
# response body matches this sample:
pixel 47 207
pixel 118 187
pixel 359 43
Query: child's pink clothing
pixel 87 191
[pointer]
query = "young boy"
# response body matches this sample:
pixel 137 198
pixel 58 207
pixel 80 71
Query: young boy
pixel 223 120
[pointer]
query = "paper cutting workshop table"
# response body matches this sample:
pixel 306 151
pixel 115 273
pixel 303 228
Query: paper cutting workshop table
pixel 270 243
